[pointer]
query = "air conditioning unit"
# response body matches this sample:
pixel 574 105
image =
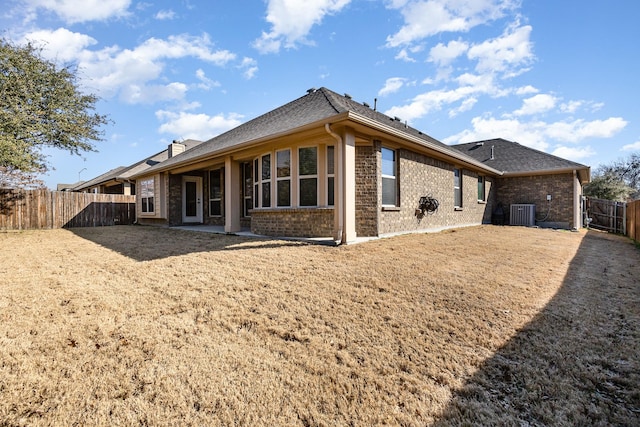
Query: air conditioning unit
pixel 523 214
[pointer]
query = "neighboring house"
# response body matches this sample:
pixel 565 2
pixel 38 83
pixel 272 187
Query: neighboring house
pixel 552 184
pixel 322 165
pixel 120 181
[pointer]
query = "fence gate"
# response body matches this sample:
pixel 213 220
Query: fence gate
pixel 607 215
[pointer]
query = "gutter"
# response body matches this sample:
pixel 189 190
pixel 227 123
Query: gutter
pixel 451 152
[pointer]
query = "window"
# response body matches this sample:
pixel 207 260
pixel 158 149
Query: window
pixel 147 190
pixel 256 180
pixel 457 188
pixel 266 180
pixel 283 178
pixel 308 176
pixel 330 175
pixel 216 185
pixel 481 193
pixel 389 184
pixel 247 189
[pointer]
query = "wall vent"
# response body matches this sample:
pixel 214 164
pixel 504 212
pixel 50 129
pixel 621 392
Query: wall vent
pixel 522 214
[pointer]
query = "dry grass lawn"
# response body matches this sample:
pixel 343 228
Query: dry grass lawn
pixel 483 325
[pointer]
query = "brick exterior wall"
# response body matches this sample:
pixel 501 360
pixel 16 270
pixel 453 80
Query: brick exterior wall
pixel 174 196
pixel 367 182
pixel 534 190
pixel 420 175
pixel 303 222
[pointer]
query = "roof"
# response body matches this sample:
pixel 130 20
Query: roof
pixel 515 159
pixel 316 106
pixel 124 173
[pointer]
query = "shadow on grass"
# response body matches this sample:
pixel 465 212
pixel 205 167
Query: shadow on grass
pixel 578 361
pixel 146 243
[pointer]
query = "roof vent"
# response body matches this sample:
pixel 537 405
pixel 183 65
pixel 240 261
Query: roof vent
pixel 366 105
pixel 346 95
pixel 479 144
pixel 311 90
pixel 396 118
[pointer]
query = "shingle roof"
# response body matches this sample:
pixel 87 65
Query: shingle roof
pixel 511 157
pixel 126 172
pixel 315 106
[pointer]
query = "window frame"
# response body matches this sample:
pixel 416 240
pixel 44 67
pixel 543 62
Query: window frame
pixel 331 174
pixel 282 178
pixel 220 172
pixel 393 178
pixel 266 177
pixel 308 177
pixel 147 196
pixel 482 188
pixel 457 188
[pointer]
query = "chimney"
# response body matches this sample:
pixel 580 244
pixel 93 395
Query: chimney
pixel 176 148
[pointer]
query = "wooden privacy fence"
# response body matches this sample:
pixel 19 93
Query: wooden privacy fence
pixel 607 215
pixel 633 220
pixel 42 209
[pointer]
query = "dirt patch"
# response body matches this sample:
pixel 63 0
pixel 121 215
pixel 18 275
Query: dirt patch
pixel 137 325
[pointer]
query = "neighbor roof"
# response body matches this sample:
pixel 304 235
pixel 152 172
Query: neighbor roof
pixel 127 172
pixel 317 105
pixel 515 159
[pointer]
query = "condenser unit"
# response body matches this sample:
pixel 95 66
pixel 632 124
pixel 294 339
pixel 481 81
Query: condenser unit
pixel 522 214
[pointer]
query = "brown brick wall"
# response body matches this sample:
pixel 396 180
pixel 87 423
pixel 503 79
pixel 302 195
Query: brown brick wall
pixel 367 182
pixel 420 175
pixel 534 190
pixel 304 222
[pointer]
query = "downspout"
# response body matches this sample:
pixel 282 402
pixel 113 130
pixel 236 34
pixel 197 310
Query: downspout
pixel 339 238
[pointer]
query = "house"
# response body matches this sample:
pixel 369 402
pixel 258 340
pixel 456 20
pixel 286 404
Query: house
pixel 119 180
pixel 322 165
pixel 531 177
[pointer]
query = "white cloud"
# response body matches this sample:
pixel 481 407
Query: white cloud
pixel 165 15
pixel 73 11
pixel 130 73
pixel 292 20
pixel 403 55
pixel 149 94
pixel 205 82
pixel 504 54
pixel 196 126
pixel 445 54
pixel 424 18
pixel 392 85
pixel 631 147
pixel 249 67
pixel 526 90
pixel 537 134
pixel 579 130
pixel 470 87
pixel 536 104
pixel 61 44
pixel 574 153
pixel 466 105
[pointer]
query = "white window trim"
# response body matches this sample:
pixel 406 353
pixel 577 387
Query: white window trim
pixel 330 175
pixel 284 178
pixel 220 199
pixel 147 191
pixel 392 177
pixel 484 188
pixel 457 188
pixel 316 176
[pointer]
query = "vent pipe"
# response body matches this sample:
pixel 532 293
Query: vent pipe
pixel 493 152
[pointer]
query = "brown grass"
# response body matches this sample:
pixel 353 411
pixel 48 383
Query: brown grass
pixel 484 325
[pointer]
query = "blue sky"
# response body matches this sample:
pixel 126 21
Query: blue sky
pixel 558 76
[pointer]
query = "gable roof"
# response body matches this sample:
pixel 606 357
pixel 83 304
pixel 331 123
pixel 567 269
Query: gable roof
pixel 124 173
pixel 515 159
pixel 314 108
